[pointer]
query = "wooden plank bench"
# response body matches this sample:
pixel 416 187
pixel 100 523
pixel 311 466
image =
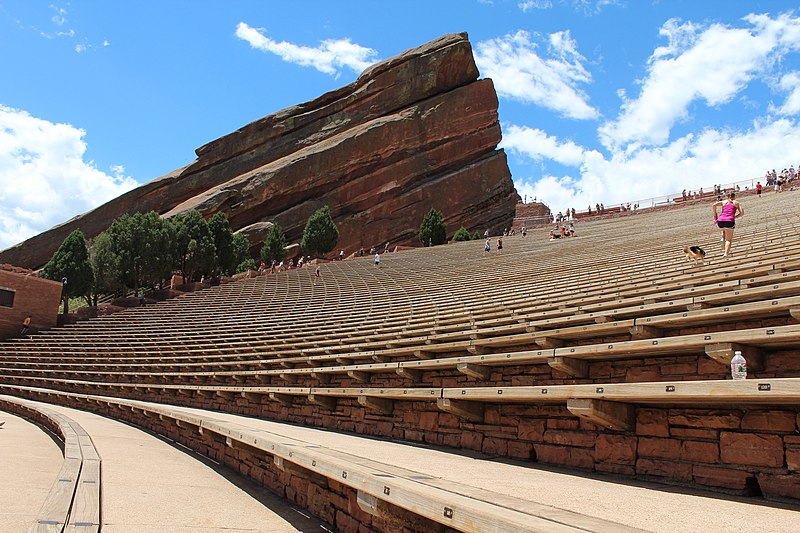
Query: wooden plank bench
pixel 380 487
pixel 73 502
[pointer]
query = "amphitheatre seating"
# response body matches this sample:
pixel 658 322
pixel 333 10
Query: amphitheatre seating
pixel 377 484
pixel 73 503
pixel 570 325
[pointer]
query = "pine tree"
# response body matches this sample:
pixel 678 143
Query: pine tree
pixel 432 231
pixel 145 245
pixel 70 265
pixel 274 248
pixel 320 234
pixel 106 265
pixel 195 248
pixel 241 250
pixel 222 235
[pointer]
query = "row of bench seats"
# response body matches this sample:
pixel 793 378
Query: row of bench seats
pixel 380 487
pixel 73 502
pixel 374 337
pixel 610 405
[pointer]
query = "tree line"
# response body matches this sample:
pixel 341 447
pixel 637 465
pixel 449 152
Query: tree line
pixel 143 249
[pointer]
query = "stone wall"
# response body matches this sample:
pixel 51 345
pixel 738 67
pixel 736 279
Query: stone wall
pixel 327 499
pixel 742 451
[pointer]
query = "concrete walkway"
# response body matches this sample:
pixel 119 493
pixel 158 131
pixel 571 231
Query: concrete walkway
pixel 178 493
pixel 151 486
pixel 31 460
pixel 648 506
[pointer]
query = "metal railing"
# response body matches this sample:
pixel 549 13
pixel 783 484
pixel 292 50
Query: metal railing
pixel 665 200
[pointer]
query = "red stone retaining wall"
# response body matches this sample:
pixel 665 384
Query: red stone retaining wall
pixel 734 450
pixel 327 499
pixel 34 416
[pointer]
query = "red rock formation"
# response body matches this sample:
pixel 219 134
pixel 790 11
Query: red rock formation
pixel 413 132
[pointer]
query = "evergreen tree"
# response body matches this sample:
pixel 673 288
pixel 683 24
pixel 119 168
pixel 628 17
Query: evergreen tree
pixel 195 250
pixel 462 234
pixel 432 231
pixel 70 265
pixel 106 265
pixel 320 234
pixel 241 250
pixel 223 242
pixel 275 245
pixel 145 245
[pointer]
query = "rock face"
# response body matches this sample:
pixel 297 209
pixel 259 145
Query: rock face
pixel 413 132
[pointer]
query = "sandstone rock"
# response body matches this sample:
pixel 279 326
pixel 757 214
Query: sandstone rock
pixel 726 478
pixel 751 449
pixel 773 421
pixel 779 487
pixel 413 132
pixel 256 233
pixel 619 449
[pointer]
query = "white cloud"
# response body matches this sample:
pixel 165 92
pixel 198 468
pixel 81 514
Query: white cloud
pixel 711 64
pixel 519 72
pixel 536 144
pixel 588 7
pixel 60 17
pixel 329 57
pixel 791 84
pixel 44 179
pixel 535 4
pixel 690 162
pixel 80 48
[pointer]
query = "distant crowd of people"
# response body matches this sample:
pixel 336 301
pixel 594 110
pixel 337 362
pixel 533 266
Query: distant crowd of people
pixel 779 181
pixel 283 266
pixel 716 192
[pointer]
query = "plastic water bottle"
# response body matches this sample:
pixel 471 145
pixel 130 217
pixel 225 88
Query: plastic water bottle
pixel 738 366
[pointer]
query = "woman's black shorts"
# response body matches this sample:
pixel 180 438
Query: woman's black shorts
pixel 722 224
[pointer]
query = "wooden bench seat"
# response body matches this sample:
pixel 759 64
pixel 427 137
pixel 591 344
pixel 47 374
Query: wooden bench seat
pixel 377 484
pixel 718 345
pixel 73 502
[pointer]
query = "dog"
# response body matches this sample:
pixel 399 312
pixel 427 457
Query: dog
pixel 694 253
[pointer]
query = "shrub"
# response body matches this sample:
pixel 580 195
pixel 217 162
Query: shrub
pixel 462 234
pixel 247 264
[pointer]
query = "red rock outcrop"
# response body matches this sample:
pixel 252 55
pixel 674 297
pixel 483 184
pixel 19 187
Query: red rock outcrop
pixel 413 132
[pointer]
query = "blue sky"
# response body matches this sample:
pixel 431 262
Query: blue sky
pixel 600 100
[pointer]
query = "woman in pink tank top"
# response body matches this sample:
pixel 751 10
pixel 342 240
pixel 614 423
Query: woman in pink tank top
pixel 726 220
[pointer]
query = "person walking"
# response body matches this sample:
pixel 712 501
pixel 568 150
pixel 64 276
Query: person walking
pixel 377 259
pixel 726 220
pixel 25 325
